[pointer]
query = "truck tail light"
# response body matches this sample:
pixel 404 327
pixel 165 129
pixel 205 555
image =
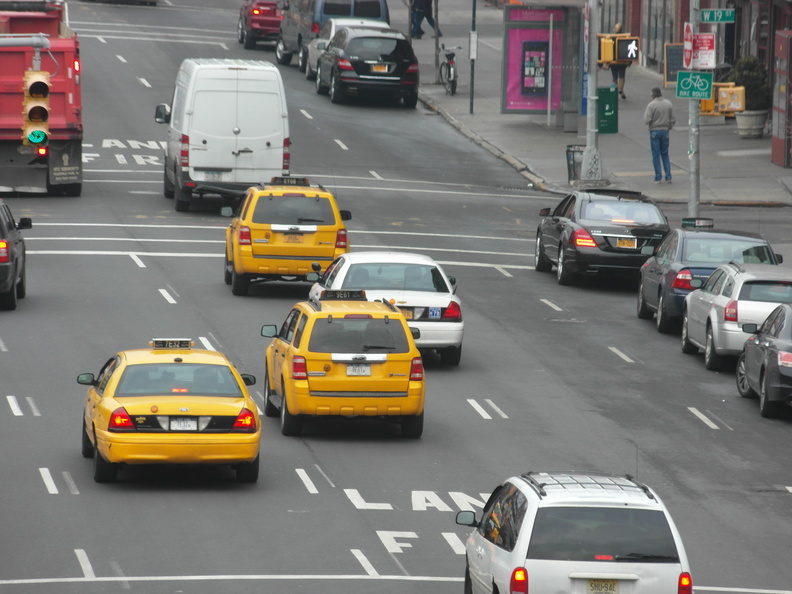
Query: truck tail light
pixel 453 311
pixel 4 257
pixel 682 280
pixel 581 238
pixel 341 239
pixel 784 359
pixel 120 421
pixel 518 584
pixel 244 236
pixel 184 154
pixel 416 370
pixel 685 583
pixel 730 311
pixel 245 422
pixel 299 370
pixel 286 156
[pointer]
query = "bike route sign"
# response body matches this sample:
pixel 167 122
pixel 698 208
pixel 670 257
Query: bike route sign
pixel 694 85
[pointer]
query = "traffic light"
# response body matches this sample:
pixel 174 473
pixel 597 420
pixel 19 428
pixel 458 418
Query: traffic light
pixel 627 48
pixel 605 49
pixel 35 108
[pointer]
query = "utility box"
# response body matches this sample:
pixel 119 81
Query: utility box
pixel 731 99
pixel 608 110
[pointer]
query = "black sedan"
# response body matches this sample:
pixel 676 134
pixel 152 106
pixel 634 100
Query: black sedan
pixel 764 368
pixel 692 252
pixel 361 61
pixel 12 257
pixel 593 231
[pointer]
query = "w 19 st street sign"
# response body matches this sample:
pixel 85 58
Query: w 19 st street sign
pixel 694 85
pixel 717 15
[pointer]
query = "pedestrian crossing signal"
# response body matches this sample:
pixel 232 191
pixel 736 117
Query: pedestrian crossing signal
pixel 35 108
pixel 627 48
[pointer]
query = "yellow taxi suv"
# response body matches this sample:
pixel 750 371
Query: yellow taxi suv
pixel 170 404
pixel 341 355
pixel 280 230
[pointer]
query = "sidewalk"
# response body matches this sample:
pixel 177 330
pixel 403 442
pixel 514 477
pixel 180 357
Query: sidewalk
pixel 732 170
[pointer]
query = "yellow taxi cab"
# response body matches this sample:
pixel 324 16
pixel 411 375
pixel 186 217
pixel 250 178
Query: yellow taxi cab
pixel 280 230
pixel 341 355
pixel 170 404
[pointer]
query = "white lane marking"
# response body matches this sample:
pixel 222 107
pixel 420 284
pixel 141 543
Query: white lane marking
pixel 144 82
pixel 496 409
pixel 789 489
pixel 117 570
pixel 503 272
pixel 167 296
pixel 206 344
pixel 478 408
pixel 703 419
pixel 121 59
pixel 341 144
pixel 367 566
pixel 306 114
pixel 102 38
pixel 12 402
pixel 388 539
pixel 551 305
pixel 67 477
pixel 455 542
pixel 85 564
pixel 48 482
pixel 357 500
pixel 136 259
pixel 3 347
pixel 327 478
pixel 306 480
pixel 136 239
pixel 721 421
pixel 620 354
pixel 375 175
pixel 33 407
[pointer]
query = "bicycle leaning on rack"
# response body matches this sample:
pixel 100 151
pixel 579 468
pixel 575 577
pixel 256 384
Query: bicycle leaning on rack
pixel 448 73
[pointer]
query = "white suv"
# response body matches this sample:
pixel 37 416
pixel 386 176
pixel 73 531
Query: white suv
pixel 578 533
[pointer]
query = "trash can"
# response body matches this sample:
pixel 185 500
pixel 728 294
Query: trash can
pixel 574 154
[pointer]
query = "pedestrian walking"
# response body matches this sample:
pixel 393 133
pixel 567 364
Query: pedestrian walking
pixel 659 116
pixel 422 9
pixel 619 71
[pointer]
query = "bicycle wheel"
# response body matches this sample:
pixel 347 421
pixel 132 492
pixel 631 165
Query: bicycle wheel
pixel 445 76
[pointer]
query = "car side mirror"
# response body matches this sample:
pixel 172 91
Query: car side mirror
pixel 696 283
pixel 312 277
pixel 86 379
pixel 416 333
pixel 466 518
pixel 779 258
pixel 269 330
pixel 316 267
pixel 162 113
pixel 648 250
pixel 452 280
pixel 248 379
pixel 24 223
pixel 545 212
pixel 750 328
pixel 346 215
pixel 321 46
pixel 226 211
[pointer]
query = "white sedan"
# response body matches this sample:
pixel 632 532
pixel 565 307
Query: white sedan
pixel 415 283
pixel 330 27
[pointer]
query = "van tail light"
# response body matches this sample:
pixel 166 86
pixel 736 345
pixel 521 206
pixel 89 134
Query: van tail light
pixel 412 68
pixel 682 280
pixel 581 238
pixel 286 156
pixel 341 239
pixel 4 257
pixel 453 311
pixel 416 370
pixel 244 236
pixel 120 421
pixel 245 422
pixel 314 27
pixel 785 359
pixel 184 154
pixel 518 584
pixel 299 370
pixel 685 583
pixel 730 311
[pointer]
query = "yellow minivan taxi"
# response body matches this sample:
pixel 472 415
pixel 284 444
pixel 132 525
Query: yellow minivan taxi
pixel 280 231
pixel 344 356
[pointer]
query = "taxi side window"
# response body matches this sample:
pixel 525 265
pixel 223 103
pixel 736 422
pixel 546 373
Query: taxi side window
pixel 299 332
pixel 246 205
pixel 714 278
pixel 105 374
pixel 668 248
pixel 287 330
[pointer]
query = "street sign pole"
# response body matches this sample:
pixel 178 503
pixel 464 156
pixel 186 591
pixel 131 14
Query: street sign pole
pixel 693 134
pixel 591 167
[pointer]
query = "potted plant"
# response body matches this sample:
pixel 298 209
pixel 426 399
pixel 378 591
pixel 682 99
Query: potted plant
pixel 749 72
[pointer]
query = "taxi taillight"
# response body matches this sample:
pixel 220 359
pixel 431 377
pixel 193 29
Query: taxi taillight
pixel 4 257
pixel 682 280
pixel 518 584
pixel 244 236
pixel 685 583
pixel 416 370
pixel 730 311
pixel 245 422
pixel 299 369
pixel 120 421
pixel 341 239
pixel 581 238
pixel 452 312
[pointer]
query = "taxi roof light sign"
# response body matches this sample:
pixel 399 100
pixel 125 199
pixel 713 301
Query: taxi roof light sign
pixel 343 295
pixel 697 223
pixel 171 343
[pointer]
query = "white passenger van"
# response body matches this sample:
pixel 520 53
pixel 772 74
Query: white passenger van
pixel 228 129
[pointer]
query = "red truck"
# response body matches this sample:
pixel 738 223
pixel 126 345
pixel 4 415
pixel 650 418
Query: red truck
pixel 41 127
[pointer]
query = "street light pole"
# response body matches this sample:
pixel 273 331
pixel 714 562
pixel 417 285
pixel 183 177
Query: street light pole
pixel 591 170
pixel 694 120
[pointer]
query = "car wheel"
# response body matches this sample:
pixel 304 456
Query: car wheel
pixel 181 202
pixel 283 57
pixel 643 312
pixel 87 446
pixel 302 60
pixel 687 347
pixel 712 360
pixel 451 355
pixel 310 73
pixel 227 271
pixel 411 101
pixel 104 471
pixel 21 286
pixel 250 40
pixel 743 387
pixel 290 424
pixel 767 408
pixel 167 186
pixel 8 300
pixel 321 89
pixel 240 31
pixel 336 92
pixel 663 322
pixel 562 272
pixel 270 410
pixel 541 263
pixel 248 472
pixel 240 283
pixel 412 427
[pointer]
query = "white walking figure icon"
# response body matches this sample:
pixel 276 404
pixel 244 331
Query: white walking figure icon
pixel 632 49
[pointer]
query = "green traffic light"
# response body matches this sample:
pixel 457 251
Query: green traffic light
pixel 37 137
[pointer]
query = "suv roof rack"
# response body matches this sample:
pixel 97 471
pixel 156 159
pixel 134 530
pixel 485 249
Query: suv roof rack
pixel 584 480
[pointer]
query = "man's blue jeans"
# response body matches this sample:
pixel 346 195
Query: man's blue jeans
pixel 659 142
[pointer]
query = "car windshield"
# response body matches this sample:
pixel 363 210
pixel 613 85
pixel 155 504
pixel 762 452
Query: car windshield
pixel 358 335
pixel 293 210
pixel 623 212
pixel 602 534
pixel 397 276
pixel 378 48
pixel 767 291
pixel 719 251
pixel 179 379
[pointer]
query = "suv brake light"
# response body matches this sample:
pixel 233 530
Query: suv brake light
pixel 682 280
pixel 417 370
pixel 581 238
pixel 685 583
pixel 184 154
pixel 286 156
pixel 412 68
pixel 4 257
pixel 341 239
pixel 452 312
pixel 245 422
pixel 120 421
pixel 730 311
pixel 299 369
pixel 519 581
pixel 785 359
pixel 244 236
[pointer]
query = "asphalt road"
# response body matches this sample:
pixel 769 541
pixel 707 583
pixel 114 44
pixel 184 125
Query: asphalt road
pixel 551 377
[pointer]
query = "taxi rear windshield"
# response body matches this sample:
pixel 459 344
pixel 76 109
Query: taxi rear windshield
pixel 152 379
pixel 602 534
pixel 293 210
pixel 721 251
pixel 358 335
pixel 404 277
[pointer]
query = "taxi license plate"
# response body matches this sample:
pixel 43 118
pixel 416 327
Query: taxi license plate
pixel 183 424
pixel 603 587
pixel 294 239
pixel 358 369
pixel 379 68
pixel 626 242
pixel 213 176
